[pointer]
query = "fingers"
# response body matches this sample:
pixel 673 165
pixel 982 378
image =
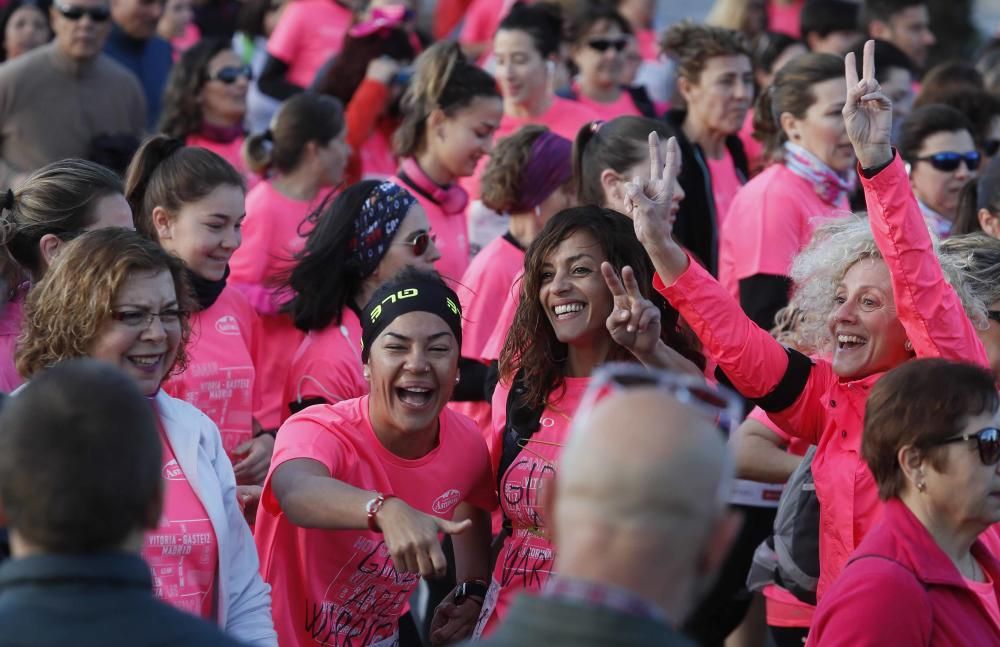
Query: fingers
pixel 850 72
pixel 631 284
pixel 452 527
pixel 672 165
pixel 439 565
pixel 868 62
pixel 655 163
pixel 614 283
pixel 650 316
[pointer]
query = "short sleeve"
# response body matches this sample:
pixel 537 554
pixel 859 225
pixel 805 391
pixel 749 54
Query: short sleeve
pixel 766 232
pixel 482 493
pixel 285 40
pixel 325 377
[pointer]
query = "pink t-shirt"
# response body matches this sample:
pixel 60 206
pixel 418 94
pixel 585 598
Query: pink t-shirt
pixel 341 587
pixel 784 18
pixel 452 235
pixel 484 289
pixel 649 48
pixel 620 107
pixel 753 148
pixel 220 378
pixel 183 551
pixel 328 364
pixel 526 558
pixel 725 184
pixel 378 162
pixel 494 343
pixel 482 19
pixel 987 596
pixel 770 220
pixel 232 151
pixel 11 320
pixel 308 33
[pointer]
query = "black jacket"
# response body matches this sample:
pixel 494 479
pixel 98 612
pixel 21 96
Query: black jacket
pixel 92 600
pixel 696 228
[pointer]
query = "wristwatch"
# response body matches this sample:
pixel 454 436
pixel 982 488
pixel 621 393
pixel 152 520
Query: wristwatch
pixel 471 588
pixel 373 507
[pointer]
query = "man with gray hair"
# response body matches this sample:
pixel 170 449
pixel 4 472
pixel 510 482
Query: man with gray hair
pixel 638 523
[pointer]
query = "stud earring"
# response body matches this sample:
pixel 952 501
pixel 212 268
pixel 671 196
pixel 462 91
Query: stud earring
pixel 908 345
pixel 921 486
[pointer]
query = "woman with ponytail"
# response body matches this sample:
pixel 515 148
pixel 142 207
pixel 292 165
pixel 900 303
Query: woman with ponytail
pixel 206 99
pixel 772 218
pixel 302 155
pixel 979 204
pixel 450 112
pixel 190 200
pixel 54 205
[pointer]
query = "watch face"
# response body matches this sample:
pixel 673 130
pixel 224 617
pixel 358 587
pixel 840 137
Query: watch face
pixel 372 506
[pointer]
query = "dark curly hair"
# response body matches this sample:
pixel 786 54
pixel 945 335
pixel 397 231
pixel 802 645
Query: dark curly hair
pixel 501 181
pixel 181 110
pixel 531 346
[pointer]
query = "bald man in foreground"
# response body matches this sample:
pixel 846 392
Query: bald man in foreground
pixel 639 528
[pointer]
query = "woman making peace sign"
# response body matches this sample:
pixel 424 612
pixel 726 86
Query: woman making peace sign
pixel 878 302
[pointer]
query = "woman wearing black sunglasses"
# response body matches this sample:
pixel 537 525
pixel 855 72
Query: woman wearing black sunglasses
pixel 206 100
pixel 925 575
pixel 937 145
pixel 365 236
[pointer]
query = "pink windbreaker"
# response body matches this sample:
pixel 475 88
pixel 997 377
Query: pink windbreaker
pixel 829 412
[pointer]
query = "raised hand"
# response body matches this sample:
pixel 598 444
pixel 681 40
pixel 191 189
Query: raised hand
pixel 867 111
pixel 634 322
pixel 650 203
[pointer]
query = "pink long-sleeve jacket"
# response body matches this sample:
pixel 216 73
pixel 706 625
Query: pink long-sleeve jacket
pixel 829 411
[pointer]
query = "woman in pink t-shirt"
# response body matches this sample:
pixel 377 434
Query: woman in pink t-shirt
pixel 191 201
pixel 308 33
pixel 599 55
pixel 51 206
pixel 116 296
pixel 206 99
pixel 450 111
pixel 360 491
pixel 773 216
pixel 568 322
pixel 370 232
pixel 303 155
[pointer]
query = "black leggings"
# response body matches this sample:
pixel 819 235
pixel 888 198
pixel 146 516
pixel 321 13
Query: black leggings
pixel 788 636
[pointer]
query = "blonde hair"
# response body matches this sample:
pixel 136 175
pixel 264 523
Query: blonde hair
pixel 835 247
pixel 978 256
pixel 65 312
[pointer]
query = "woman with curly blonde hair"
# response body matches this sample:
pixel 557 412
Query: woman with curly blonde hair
pixel 116 296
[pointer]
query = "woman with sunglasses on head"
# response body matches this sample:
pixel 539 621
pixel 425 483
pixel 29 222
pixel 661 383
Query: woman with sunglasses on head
pixel 206 99
pixel 772 217
pixel 116 296
pixel 875 299
pixel 451 110
pixel 574 314
pixel 598 53
pixel 366 235
pixel 54 205
pixel 715 78
pixel 361 490
pixel 303 155
pixel 190 200
pixel 924 575
pixel 937 145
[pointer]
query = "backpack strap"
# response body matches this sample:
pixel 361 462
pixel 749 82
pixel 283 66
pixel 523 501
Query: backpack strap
pixel 522 423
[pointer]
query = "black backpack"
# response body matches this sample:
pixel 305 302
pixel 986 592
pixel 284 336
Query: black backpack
pixel 790 557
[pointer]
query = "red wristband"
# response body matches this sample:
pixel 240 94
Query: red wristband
pixel 373 508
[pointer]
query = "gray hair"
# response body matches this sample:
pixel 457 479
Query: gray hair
pixel 835 247
pixel 978 257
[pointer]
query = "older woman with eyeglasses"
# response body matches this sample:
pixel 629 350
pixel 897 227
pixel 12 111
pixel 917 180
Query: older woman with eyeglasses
pixel 923 575
pixel 206 99
pixel 364 237
pixel 116 296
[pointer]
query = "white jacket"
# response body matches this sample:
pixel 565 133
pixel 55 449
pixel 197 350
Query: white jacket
pixel 243 604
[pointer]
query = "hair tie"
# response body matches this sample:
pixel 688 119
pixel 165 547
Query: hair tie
pixel 8 200
pixel 596 126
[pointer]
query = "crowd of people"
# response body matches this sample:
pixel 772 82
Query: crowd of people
pixel 323 324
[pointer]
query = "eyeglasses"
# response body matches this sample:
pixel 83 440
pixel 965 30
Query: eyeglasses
pixel 987 442
pixel 949 161
pixel 991 147
pixel 141 319
pixel 420 242
pixel 97 14
pixel 231 73
pixel 603 44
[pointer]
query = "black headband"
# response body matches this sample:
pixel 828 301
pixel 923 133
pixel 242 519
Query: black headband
pixel 416 296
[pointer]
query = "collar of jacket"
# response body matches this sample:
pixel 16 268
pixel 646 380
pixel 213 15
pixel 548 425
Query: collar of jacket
pixel 118 569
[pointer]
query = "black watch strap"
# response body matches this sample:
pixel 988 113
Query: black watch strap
pixel 471 588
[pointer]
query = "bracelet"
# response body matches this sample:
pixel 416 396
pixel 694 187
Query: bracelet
pixel 373 507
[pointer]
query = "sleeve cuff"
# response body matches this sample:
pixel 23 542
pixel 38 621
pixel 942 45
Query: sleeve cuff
pixel 869 173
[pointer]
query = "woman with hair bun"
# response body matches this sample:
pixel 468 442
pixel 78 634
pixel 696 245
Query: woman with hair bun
pixel 190 201
pixel 303 155
pixel 450 112
pixel 53 205
pixel 206 99
pixel 774 215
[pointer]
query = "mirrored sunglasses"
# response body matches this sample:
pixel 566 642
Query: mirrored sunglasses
pixel 949 161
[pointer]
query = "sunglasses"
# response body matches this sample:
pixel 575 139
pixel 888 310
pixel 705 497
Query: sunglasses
pixel 97 14
pixel 987 442
pixel 991 147
pixel 603 44
pixel 231 73
pixel 949 161
pixel 420 242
